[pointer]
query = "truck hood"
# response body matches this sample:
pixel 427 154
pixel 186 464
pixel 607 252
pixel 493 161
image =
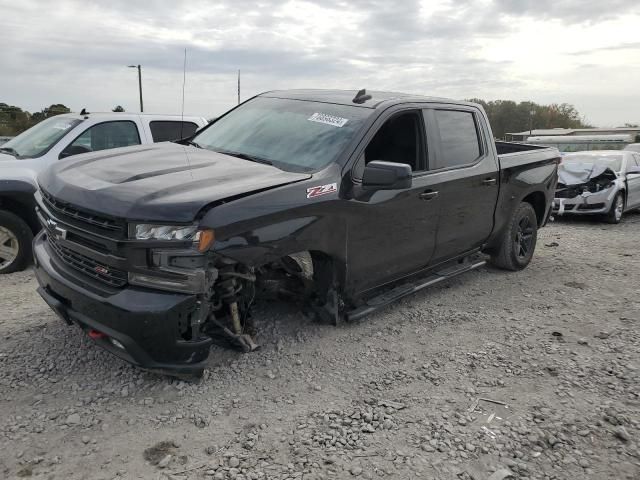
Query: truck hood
pixel 6 156
pixel 163 182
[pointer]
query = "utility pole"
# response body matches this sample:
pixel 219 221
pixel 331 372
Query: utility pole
pixel 139 84
pixel 532 112
pixel 238 87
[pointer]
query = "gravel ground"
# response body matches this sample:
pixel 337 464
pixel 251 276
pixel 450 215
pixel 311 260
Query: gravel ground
pixel 531 374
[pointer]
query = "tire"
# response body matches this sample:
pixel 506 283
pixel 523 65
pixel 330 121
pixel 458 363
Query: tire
pixel 519 240
pixel 614 215
pixel 15 243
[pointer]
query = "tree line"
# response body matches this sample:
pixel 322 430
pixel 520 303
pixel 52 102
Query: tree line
pixel 14 120
pixel 507 116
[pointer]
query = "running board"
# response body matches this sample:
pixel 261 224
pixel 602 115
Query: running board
pixel 401 291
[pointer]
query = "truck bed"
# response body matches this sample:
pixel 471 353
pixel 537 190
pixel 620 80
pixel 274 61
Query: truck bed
pixel 522 167
pixel 512 154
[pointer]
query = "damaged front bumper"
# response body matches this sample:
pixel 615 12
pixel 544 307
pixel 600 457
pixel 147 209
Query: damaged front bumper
pixel 139 325
pixel 587 203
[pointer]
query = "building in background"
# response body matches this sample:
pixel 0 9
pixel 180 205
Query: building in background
pixel 579 139
pixel 549 132
pixel 582 143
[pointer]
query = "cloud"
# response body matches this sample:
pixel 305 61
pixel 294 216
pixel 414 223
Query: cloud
pixel 569 11
pixel 77 51
pixel 610 48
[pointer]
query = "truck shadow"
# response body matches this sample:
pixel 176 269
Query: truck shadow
pixel 631 216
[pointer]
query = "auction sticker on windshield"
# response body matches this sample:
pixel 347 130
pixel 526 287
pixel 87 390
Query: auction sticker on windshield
pixel 328 119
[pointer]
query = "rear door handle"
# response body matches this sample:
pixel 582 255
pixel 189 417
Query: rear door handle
pixel 428 195
pixel 489 181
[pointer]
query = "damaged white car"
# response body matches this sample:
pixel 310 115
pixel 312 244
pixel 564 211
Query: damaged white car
pixel 605 183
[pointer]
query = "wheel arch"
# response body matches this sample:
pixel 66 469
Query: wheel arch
pixel 625 193
pixel 328 268
pixel 23 205
pixel 538 201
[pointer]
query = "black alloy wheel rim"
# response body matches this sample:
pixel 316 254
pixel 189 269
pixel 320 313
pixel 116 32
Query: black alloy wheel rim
pixel 524 237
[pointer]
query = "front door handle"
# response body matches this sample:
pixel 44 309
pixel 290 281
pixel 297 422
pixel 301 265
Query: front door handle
pixel 489 181
pixel 428 195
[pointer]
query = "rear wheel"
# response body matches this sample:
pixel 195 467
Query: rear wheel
pixel 614 215
pixel 15 242
pixel 519 239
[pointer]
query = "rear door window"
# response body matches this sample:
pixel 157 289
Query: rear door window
pixel 631 162
pixel 459 139
pixel 165 130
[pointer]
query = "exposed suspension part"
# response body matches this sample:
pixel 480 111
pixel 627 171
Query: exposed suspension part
pixel 234 293
pixel 308 280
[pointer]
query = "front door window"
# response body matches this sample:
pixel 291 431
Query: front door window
pixel 104 136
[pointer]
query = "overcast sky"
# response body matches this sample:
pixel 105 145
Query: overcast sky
pixel 585 52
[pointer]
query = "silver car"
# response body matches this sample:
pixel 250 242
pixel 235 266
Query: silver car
pixel 598 182
pixel 632 147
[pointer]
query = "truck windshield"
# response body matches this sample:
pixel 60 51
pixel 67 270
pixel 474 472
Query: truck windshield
pixel 293 135
pixel 39 139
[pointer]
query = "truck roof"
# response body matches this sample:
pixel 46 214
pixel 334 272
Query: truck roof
pixel 345 97
pixel 125 115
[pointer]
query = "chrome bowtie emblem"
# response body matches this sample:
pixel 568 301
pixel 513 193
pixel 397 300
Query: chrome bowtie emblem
pixel 60 233
pixel 56 231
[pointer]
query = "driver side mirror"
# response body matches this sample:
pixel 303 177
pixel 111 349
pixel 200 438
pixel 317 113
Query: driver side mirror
pixel 380 175
pixel 73 150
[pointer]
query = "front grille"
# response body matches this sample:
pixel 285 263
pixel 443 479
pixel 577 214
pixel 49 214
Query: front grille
pixel 67 211
pixel 566 207
pixel 591 206
pixel 568 192
pixel 103 273
pixel 88 242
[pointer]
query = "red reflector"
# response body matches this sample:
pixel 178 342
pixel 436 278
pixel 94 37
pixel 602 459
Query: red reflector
pixel 95 334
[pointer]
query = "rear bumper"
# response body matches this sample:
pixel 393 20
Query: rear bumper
pixel 138 325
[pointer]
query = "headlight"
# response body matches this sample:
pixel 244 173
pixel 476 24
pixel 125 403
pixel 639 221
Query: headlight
pixel 145 231
pixel 178 267
pixel 178 270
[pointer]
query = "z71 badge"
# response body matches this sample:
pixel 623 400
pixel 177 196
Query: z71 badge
pixel 322 190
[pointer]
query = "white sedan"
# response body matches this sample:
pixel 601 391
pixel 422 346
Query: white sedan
pixel 598 182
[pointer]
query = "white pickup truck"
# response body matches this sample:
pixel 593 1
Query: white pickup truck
pixel 56 138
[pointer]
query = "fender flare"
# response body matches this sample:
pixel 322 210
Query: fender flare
pixel 16 196
pixel 8 187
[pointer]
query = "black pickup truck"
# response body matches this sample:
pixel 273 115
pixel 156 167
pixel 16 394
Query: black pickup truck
pixel 342 201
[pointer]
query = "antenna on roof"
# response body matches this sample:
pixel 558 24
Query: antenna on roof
pixel 361 96
pixel 184 81
pixel 84 112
